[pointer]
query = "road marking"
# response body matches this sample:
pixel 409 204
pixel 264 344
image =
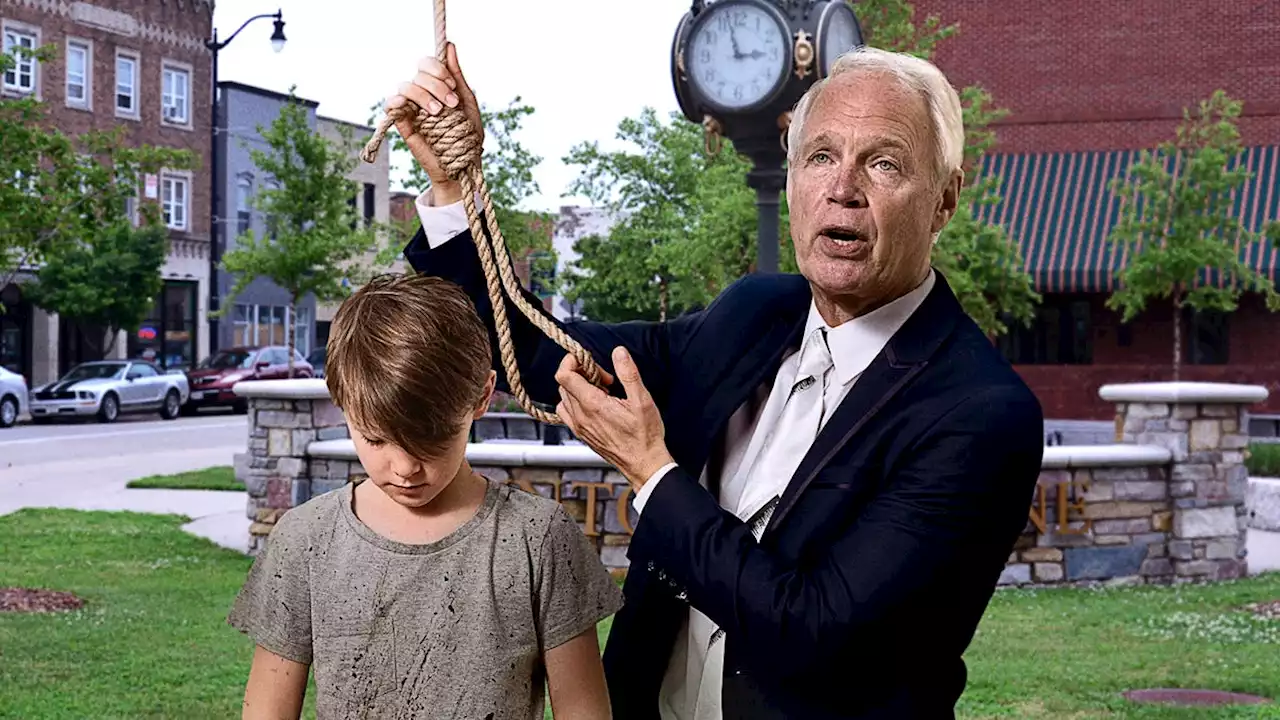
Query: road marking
pixel 117 433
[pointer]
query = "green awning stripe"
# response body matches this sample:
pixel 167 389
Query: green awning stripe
pixel 1060 209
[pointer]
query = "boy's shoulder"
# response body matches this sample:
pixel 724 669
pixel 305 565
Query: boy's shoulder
pixel 516 505
pixel 314 517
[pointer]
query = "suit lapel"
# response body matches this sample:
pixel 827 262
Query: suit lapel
pixel 906 354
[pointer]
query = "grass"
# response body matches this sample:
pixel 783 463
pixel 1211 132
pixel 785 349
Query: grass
pixel 152 641
pixel 214 478
pixel 1264 459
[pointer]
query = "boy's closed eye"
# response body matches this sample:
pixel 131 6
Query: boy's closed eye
pixel 373 442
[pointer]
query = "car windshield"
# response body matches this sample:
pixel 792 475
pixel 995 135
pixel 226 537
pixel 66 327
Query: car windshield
pixel 229 359
pixel 94 371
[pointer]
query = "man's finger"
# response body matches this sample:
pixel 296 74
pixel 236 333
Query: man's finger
pixel 584 393
pixel 629 374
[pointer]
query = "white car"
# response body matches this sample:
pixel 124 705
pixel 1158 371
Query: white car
pixel 13 397
pixel 106 388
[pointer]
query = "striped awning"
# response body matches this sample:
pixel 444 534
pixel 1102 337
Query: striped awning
pixel 1060 209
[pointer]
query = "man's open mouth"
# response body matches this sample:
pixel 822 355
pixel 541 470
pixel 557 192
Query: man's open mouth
pixel 843 234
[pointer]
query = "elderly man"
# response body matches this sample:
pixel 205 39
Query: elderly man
pixel 830 468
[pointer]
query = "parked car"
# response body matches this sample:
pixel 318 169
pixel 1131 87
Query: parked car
pixel 317 358
pixel 212 380
pixel 13 397
pixel 107 388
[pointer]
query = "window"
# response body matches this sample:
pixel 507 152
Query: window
pixel 259 325
pixel 167 337
pixel 302 331
pixel 1208 339
pixel 1060 334
pixel 175 95
pixel 142 370
pixel 244 188
pixel 175 200
pixel 368 204
pixel 79 66
pixel 22 76
pixel 242 320
pixel 127 85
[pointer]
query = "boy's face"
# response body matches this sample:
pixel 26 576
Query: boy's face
pixel 414 482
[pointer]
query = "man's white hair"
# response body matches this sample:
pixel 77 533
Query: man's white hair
pixel 916 74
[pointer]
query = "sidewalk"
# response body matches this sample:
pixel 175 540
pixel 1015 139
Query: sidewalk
pixel 101 484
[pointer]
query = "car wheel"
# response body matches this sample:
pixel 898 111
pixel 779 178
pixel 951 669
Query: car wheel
pixel 172 405
pixel 8 411
pixel 110 409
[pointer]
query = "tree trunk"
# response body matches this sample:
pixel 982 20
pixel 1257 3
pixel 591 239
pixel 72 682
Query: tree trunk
pixel 290 332
pixel 663 292
pixel 1177 334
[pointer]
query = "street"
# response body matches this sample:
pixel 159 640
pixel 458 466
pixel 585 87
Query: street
pixel 88 465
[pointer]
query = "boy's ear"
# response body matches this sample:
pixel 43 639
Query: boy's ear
pixel 489 386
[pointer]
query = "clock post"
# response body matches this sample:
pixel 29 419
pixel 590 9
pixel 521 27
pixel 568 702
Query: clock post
pixel 740 66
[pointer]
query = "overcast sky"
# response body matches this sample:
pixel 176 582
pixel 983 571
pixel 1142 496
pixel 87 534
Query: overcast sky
pixel 584 65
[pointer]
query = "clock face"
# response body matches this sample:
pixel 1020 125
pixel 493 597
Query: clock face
pixel 737 55
pixel 839 36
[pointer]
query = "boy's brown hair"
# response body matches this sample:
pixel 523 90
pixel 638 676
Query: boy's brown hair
pixel 408 359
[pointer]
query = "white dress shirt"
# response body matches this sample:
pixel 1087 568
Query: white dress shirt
pixel 691 686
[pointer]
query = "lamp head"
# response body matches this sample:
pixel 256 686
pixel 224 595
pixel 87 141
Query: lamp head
pixel 277 37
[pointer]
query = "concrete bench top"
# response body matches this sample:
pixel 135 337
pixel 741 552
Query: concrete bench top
pixel 1183 392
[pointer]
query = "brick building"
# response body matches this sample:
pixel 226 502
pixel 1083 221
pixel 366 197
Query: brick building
pixel 1088 84
pixel 140 64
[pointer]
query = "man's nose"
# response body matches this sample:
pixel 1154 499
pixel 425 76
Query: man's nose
pixel 846 189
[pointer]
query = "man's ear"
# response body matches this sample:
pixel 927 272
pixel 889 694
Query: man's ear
pixel 948 202
pixel 483 406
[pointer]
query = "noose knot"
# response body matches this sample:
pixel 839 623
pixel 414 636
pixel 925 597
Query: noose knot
pixel 454 140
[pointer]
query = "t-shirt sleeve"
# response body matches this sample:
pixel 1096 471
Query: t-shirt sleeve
pixel 274 606
pixel 575 591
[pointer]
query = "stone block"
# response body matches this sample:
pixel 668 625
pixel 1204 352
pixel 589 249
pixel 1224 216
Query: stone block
pixel 279 492
pixel 267 515
pixel 1162 521
pixel 1220 411
pixel 1205 435
pixel 1122 527
pixel 302 406
pixel 1230 425
pixel 261 529
pixel 325 414
pixel 240 463
pixel 488 429
pixel 1100 563
pixel 614 556
pixel 1185 412
pixel 301 439
pixel 1156 566
pixel 1175 442
pixel 258 445
pixel 1234 441
pixel 1182 489
pixel 1042 555
pixel 301 491
pixel 1262 504
pixel 339 469
pixel 1141 490
pixel 1179 425
pixel 1195 567
pixel 1230 570
pixel 1047 572
pixel 497 474
pixel 1205 522
pixel 592 475
pixel 1126 581
pixel 1099 492
pixel 318 468
pixel 339 432
pixel 1224 549
pixel 522 429
pixel 1181 549
pixel 1129 474
pixel 615 477
pixel 1114 510
pixel 255 481
pixel 1185 472
pixel 1190 503
pixel 291 467
pixel 577 509
pixel 321 486
pixel 614 524
pixel 268 404
pixel 1015 575
pixel 1026 540
pixel 1149 539
pixel 1147 410
pixel 540 475
pixel 279 442
pixel 281 419
pixel 1213 492
pixel 257 431
pixel 1063 540
pixel 1232 457
pixel 1110 540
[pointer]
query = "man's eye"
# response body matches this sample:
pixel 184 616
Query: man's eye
pixel 884 165
pixel 819 157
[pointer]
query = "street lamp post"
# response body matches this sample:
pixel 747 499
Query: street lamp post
pixel 740 66
pixel 215 45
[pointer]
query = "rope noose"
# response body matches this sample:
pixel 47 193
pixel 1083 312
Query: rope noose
pixel 457 146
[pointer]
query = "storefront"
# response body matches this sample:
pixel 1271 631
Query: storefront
pixel 15 331
pixel 168 336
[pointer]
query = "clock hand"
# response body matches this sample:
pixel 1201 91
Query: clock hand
pixel 737 54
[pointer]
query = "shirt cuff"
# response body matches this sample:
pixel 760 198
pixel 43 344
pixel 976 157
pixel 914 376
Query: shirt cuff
pixel 647 489
pixel 440 224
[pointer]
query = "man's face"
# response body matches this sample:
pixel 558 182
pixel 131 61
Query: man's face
pixel 864 194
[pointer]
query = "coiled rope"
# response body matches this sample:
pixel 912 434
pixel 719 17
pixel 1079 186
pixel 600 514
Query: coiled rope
pixel 457 145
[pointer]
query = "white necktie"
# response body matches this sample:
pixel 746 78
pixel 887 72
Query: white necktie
pixel 789 440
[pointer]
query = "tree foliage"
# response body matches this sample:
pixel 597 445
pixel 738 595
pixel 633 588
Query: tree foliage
pixel 67 213
pixel 1178 225
pixel 687 220
pixel 315 241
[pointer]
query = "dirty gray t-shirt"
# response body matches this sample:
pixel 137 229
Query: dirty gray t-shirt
pixel 452 629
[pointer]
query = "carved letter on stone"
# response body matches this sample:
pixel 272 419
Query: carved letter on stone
pixel 1039 509
pixel 591 502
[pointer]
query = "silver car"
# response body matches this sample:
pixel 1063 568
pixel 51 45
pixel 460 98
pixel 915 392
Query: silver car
pixel 107 388
pixel 13 397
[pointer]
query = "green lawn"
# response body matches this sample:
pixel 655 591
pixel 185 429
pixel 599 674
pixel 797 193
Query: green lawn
pixel 152 641
pixel 214 478
pixel 1264 459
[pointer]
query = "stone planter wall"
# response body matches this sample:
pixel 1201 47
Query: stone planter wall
pixel 1165 506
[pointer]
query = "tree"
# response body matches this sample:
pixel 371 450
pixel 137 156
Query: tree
pixel 69 215
pixel 508 171
pixel 699 216
pixel 1178 226
pixel 315 237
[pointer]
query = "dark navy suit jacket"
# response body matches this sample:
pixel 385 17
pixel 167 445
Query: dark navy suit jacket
pixel 865 589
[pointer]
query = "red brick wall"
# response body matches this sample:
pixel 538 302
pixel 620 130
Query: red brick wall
pixel 186 18
pixel 1090 74
pixel 1071 391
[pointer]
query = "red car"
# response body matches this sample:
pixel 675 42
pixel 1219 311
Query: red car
pixel 212 380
